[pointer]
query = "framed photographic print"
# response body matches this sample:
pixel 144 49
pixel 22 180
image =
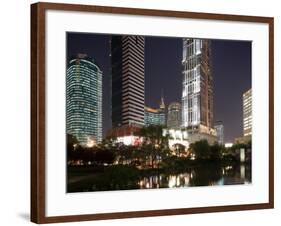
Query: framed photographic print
pixel 139 112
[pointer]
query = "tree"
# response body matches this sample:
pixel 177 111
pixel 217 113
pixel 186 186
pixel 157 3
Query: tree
pixel 179 149
pixel 109 142
pixel 200 149
pixel 216 151
pixel 153 134
pixel 71 142
pixel 154 145
pixel 104 156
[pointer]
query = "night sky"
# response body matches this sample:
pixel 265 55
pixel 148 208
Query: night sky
pixel 231 65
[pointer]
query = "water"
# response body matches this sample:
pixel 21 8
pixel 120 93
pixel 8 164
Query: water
pixel 120 178
pixel 200 176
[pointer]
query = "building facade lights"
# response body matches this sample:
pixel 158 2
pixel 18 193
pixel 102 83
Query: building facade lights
pixel 197 86
pixel 84 99
pixel 247 113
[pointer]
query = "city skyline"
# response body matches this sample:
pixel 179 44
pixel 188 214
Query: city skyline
pixel 156 79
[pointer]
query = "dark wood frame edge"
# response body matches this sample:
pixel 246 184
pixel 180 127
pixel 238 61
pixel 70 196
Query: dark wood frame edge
pixel 38 112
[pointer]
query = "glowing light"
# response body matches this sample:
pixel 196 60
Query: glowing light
pixel 242 171
pixel 192 175
pixel 147 185
pixel 172 181
pixel 129 140
pixel 176 137
pixel 178 181
pixel 90 142
pixel 186 179
pixel 242 155
pixel 228 145
pixel 192 157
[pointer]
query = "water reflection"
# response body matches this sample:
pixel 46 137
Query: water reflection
pixel 125 178
pixel 200 176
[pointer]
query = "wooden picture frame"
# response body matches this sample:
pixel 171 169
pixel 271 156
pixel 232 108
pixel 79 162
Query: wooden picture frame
pixel 38 109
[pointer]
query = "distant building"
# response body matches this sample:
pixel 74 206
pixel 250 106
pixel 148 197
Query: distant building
pixel 247 113
pixel 154 116
pixel 186 137
pixel 84 99
pixel 174 116
pixel 176 137
pixel 127 71
pixel 126 135
pixel 247 118
pixel 220 132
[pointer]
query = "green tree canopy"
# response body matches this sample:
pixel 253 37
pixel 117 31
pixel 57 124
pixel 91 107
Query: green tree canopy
pixel 201 149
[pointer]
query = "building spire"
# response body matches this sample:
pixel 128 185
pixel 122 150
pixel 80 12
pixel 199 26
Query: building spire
pixel 162 103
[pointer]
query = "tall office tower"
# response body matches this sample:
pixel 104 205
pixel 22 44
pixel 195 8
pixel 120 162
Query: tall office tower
pixel 247 113
pixel 220 131
pixel 174 116
pixel 127 60
pixel 84 99
pixel 197 92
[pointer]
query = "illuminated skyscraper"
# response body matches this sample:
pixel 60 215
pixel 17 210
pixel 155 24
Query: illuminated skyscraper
pixel 174 116
pixel 197 87
pixel 127 60
pixel 247 113
pixel 84 99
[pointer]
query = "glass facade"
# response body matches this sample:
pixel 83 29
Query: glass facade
pixel 84 99
pixel 154 116
pixel 197 86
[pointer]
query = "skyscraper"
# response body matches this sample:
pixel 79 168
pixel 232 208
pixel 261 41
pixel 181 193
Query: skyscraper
pixel 174 115
pixel 127 60
pixel 247 113
pixel 197 87
pixel 84 99
pixel 220 132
